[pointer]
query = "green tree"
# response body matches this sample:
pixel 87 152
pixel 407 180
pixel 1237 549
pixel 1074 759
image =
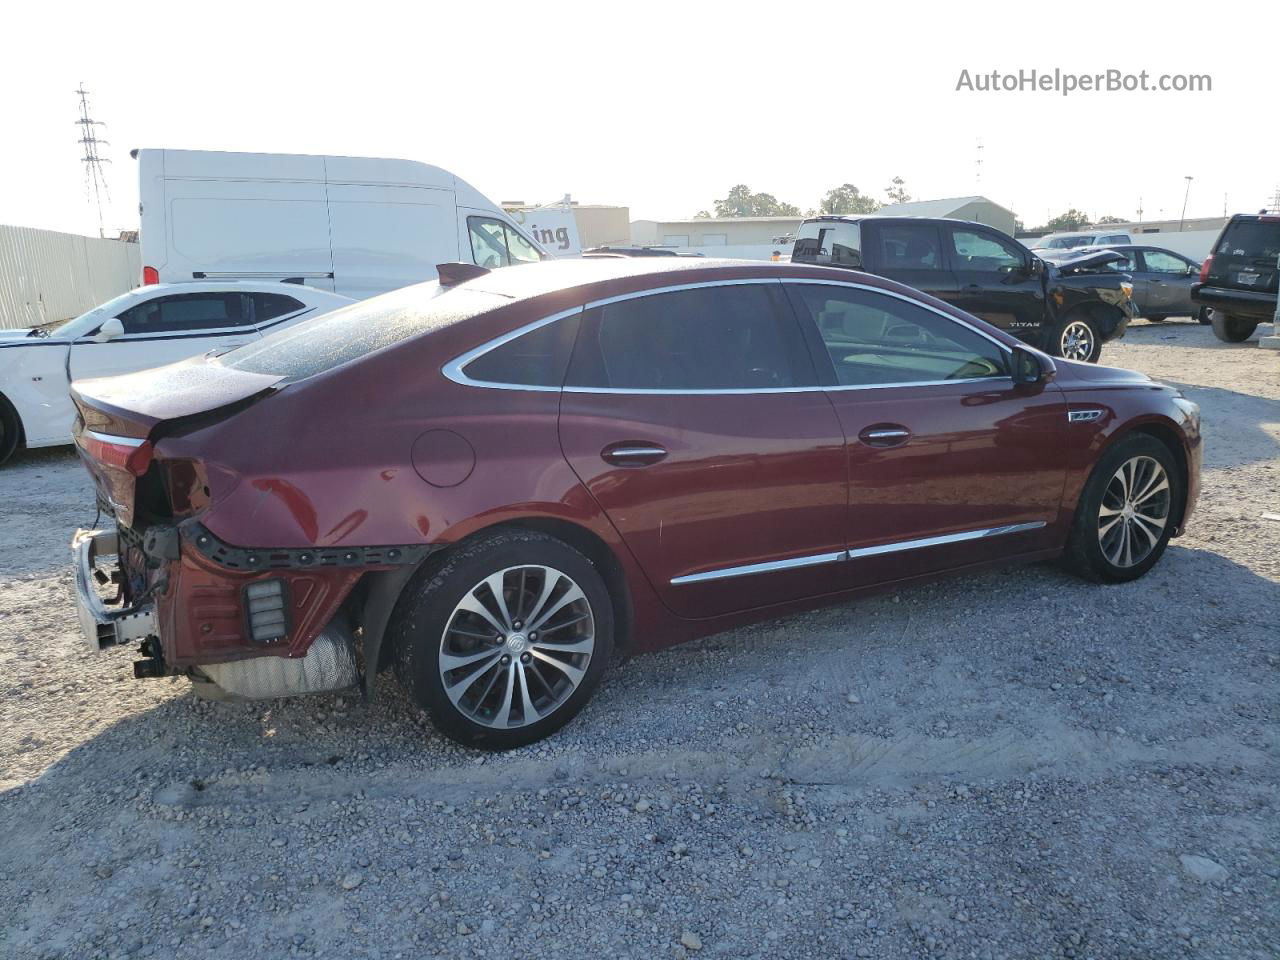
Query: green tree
pixel 847 198
pixel 1073 219
pixel 897 191
pixel 741 202
pixel 702 215
pixel 1112 220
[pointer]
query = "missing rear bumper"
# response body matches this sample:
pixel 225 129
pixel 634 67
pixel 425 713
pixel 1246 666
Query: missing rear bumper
pixel 103 624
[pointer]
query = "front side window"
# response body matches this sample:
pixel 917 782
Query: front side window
pixel 984 253
pixel 910 246
pixel 874 339
pixel 497 244
pixel 732 337
pixel 1161 262
pixel 184 312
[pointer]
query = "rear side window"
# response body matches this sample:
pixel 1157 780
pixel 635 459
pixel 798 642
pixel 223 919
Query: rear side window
pixel 184 312
pixel 829 241
pixel 305 349
pixel 736 337
pixel 910 246
pixel 1251 238
pixel 268 306
pixel 535 359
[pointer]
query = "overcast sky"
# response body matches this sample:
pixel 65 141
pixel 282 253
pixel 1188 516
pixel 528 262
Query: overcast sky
pixel 657 106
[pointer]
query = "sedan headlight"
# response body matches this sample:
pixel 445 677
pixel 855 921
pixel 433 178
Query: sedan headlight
pixel 1191 409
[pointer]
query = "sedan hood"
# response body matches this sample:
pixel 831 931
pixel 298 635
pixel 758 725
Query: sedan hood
pixel 1080 257
pixel 6 335
pixel 1096 374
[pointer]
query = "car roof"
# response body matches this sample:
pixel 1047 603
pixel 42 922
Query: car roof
pixel 301 291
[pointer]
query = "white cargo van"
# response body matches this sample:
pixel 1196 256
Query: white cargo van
pixel 357 226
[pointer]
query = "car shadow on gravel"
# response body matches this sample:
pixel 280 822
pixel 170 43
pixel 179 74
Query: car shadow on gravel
pixel 992 652
pixel 1240 428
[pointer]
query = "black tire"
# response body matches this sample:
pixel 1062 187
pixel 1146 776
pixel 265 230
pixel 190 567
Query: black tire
pixel 1085 553
pixel 1231 329
pixel 1202 316
pixel 428 608
pixel 1158 318
pixel 10 430
pixel 1071 333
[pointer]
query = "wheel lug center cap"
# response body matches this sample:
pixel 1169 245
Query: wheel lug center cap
pixel 517 642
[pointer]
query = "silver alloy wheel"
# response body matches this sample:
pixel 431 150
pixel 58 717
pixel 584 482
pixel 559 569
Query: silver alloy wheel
pixel 516 646
pixel 1077 341
pixel 1134 511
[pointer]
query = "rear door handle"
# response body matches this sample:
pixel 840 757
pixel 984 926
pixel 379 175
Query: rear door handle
pixel 974 286
pixel 633 453
pixel 885 435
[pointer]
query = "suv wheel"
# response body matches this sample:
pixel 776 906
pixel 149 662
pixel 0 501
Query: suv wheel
pixel 1158 318
pixel 504 642
pixel 1231 329
pixel 1202 316
pixel 1077 338
pixel 1122 523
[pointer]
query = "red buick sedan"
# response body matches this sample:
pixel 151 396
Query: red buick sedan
pixel 491 483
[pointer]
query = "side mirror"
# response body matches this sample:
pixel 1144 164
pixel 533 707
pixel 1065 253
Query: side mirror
pixel 109 330
pixel 1035 267
pixel 1028 368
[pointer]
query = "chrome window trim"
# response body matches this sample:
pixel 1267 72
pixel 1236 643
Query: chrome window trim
pixel 899 546
pixel 454 370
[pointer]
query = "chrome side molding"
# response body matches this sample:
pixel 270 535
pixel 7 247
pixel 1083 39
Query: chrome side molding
pixel 752 568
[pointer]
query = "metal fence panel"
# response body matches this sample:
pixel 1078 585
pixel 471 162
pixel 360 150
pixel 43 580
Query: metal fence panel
pixel 48 277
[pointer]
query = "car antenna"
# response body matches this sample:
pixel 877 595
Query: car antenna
pixel 452 274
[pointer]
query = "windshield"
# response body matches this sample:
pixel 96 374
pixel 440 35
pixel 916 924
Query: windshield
pixel 104 310
pixel 834 242
pixel 1252 238
pixel 320 344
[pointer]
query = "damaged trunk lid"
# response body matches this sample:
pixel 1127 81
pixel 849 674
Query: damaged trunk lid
pixel 122 418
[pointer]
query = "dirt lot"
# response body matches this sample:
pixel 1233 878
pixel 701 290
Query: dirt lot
pixel 1009 765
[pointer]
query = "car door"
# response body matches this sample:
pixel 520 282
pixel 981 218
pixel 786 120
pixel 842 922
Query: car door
pixel 165 329
pixel 1168 280
pixel 910 253
pixel 950 462
pixel 694 418
pixel 1132 265
pixel 994 279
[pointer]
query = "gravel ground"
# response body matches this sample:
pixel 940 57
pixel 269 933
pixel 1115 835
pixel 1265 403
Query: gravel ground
pixel 1011 765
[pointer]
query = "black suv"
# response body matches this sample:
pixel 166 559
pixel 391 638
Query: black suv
pixel 1059 305
pixel 1238 280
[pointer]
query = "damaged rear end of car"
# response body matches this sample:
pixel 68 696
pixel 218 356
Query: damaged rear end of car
pixel 240 623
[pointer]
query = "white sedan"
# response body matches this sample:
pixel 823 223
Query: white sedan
pixel 147 327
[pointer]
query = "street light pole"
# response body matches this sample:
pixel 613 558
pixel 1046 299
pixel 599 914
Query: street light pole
pixel 1184 203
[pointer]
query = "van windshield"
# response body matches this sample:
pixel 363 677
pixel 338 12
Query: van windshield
pixel 322 343
pixel 834 242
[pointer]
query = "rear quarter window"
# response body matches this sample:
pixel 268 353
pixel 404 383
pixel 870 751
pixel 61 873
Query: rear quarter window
pixel 314 346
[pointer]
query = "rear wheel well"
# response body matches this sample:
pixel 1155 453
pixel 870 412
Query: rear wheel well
pixel 10 444
pixel 1169 437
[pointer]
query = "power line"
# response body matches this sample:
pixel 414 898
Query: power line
pixel 95 180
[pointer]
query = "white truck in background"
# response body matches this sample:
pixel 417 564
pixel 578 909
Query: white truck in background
pixel 356 226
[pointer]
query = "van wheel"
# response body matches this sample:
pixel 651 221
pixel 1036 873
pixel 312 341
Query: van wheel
pixel 505 641
pixel 1077 338
pixel 1124 517
pixel 1231 329
pixel 10 430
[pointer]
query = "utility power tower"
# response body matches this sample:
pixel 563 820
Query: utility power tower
pixel 95 180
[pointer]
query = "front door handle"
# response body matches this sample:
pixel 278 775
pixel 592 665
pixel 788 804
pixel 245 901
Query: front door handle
pixel 633 453
pixel 974 286
pixel 885 435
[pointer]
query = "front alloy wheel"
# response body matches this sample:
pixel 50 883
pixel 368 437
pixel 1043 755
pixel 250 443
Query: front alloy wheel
pixel 1135 508
pixel 517 646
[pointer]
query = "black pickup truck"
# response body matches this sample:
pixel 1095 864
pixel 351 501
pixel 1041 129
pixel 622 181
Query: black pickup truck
pixel 1067 306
